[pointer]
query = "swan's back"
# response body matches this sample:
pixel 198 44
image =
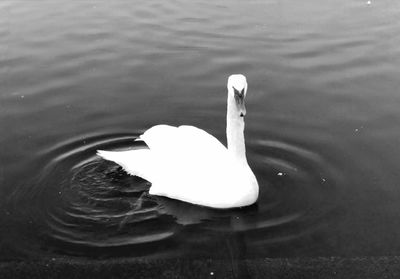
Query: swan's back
pixel 180 140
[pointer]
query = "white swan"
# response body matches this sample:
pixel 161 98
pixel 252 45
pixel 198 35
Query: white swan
pixel 189 164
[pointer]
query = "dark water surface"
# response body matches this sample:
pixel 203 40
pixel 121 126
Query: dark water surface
pixel 322 129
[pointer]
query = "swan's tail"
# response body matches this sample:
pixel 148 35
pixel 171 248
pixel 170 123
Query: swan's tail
pixel 135 162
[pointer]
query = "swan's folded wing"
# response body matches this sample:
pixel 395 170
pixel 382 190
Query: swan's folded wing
pixel 158 137
pixel 183 140
pixel 185 152
pixel 198 139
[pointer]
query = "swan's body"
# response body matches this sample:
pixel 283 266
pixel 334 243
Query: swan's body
pixel 189 164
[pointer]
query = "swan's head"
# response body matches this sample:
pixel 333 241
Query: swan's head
pixel 237 89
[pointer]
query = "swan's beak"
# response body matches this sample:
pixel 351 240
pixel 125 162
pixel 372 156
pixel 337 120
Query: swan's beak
pixel 239 98
pixel 242 109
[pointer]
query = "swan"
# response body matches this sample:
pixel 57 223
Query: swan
pixel 188 164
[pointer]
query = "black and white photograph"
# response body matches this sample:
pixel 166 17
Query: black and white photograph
pixel 199 139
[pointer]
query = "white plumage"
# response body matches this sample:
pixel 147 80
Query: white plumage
pixel 189 164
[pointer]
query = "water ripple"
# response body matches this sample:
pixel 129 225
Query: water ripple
pixel 82 203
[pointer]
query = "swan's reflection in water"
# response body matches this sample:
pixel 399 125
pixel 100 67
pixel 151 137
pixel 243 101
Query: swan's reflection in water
pixel 221 232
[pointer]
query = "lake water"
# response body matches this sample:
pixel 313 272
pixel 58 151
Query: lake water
pixel 322 125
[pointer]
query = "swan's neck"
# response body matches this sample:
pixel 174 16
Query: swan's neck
pixel 235 132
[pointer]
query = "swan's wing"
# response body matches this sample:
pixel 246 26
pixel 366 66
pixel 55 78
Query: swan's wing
pixel 158 137
pixel 185 150
pixel 173 151
pixel 189 162
pixel 182 140
pixel 197 137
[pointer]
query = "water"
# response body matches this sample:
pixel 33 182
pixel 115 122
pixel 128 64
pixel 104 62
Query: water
pixel 321 130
